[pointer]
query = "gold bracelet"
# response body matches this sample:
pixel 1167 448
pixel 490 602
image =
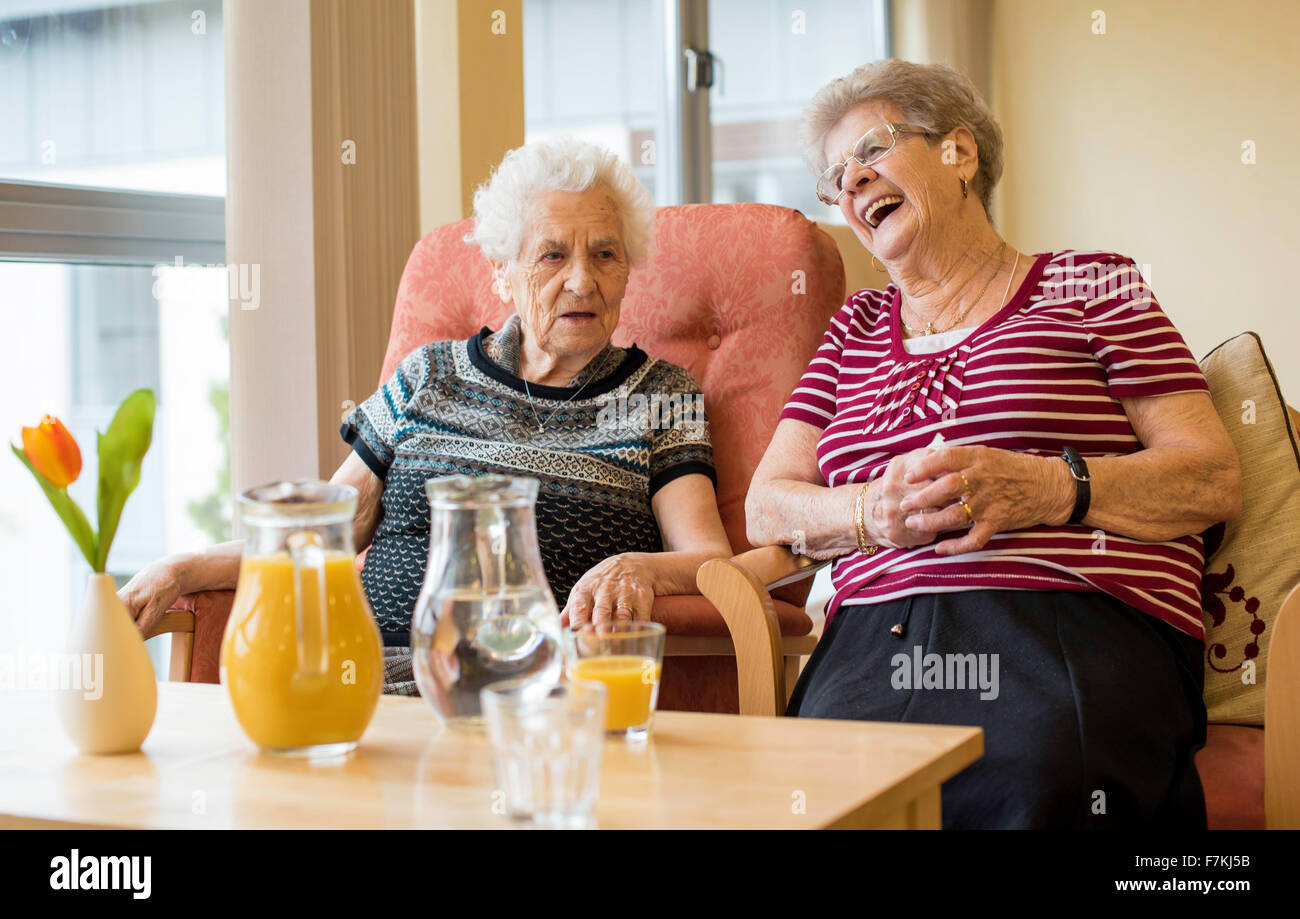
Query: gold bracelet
pixel 860 524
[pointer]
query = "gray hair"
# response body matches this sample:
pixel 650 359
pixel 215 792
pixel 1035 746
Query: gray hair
pixel 932 96
pixel 503 204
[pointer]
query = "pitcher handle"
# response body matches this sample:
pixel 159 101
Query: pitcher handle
pixel 305 549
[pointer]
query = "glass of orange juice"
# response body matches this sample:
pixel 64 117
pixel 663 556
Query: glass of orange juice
pixel 628 657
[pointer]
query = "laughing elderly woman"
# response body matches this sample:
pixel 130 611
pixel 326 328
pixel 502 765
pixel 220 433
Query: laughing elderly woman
pixel 624 513
pixel 1010 458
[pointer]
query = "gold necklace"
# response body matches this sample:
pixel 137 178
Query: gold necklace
pixel 929 326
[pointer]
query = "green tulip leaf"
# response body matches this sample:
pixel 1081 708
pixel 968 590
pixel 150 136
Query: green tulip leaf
pixel 121 452
pixel 68 510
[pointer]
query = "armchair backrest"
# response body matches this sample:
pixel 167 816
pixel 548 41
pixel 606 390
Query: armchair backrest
pixel 739 295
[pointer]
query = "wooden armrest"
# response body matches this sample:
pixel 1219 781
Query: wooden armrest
pixel 1282 719
pixel 723 646
pixel 174 620
pixel 180 624
pixel 741 589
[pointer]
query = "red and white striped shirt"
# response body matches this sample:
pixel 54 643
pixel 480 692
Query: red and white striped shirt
pixel 1048 370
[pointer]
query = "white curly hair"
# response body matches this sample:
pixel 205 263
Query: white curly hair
pixel 503 204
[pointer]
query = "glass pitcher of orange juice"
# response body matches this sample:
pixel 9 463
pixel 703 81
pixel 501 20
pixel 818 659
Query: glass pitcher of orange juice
pixel 301 655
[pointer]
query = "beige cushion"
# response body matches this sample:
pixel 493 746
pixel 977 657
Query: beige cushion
pixel 1258 561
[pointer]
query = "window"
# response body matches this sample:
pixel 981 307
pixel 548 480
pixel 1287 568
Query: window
pixel 124 95
pixel 585 73
pixel 701 97
pixel 775 56
pixel 112 172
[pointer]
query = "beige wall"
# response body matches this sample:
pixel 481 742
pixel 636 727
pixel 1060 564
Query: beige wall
pixel 952 32
pixel 491 88
pixel 1131 141
pixel 859 272
pixel 470 66
pixel 438 112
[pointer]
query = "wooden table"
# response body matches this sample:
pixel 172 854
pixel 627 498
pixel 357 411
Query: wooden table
pixel 198 770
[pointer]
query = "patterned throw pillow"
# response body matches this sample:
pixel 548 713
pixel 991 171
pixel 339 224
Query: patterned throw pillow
pixel 1257 563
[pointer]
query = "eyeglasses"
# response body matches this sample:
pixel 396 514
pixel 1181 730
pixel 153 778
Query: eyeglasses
pixel 871 148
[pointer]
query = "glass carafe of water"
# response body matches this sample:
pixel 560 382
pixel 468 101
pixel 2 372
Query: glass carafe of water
pixel 485 612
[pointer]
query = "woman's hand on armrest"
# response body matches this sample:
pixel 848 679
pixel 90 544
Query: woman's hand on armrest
pixel 625 586
pixel 151 592
pixel 155 588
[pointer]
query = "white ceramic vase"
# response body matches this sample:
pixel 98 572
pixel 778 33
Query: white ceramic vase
pixel 111 705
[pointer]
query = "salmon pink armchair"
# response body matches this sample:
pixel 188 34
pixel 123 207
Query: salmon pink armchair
pixel 740 295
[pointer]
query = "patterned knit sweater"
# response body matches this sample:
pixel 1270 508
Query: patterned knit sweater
pixel 625 426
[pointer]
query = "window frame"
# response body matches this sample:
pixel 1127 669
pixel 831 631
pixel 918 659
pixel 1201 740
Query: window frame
pixel 77 224
pixel 685 122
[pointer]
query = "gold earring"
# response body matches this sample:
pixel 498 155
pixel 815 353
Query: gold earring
pixel 875 263
pixel 964 192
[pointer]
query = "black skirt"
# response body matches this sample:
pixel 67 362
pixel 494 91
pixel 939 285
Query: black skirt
pixel 1091 710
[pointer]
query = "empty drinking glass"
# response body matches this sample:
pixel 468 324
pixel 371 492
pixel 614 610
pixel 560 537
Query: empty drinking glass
pixel 546 745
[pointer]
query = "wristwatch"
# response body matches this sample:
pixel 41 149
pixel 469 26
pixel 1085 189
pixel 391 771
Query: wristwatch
pixel 1082 490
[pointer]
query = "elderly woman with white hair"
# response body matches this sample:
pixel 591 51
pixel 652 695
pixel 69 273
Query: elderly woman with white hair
pixel 1010 458
pixel 623 514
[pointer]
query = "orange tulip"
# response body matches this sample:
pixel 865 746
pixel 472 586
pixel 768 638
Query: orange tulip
pixel 53 451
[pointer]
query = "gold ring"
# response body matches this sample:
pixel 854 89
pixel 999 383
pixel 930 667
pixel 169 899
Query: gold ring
pixel 965 486
pixel 966 507
pixel 626 607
